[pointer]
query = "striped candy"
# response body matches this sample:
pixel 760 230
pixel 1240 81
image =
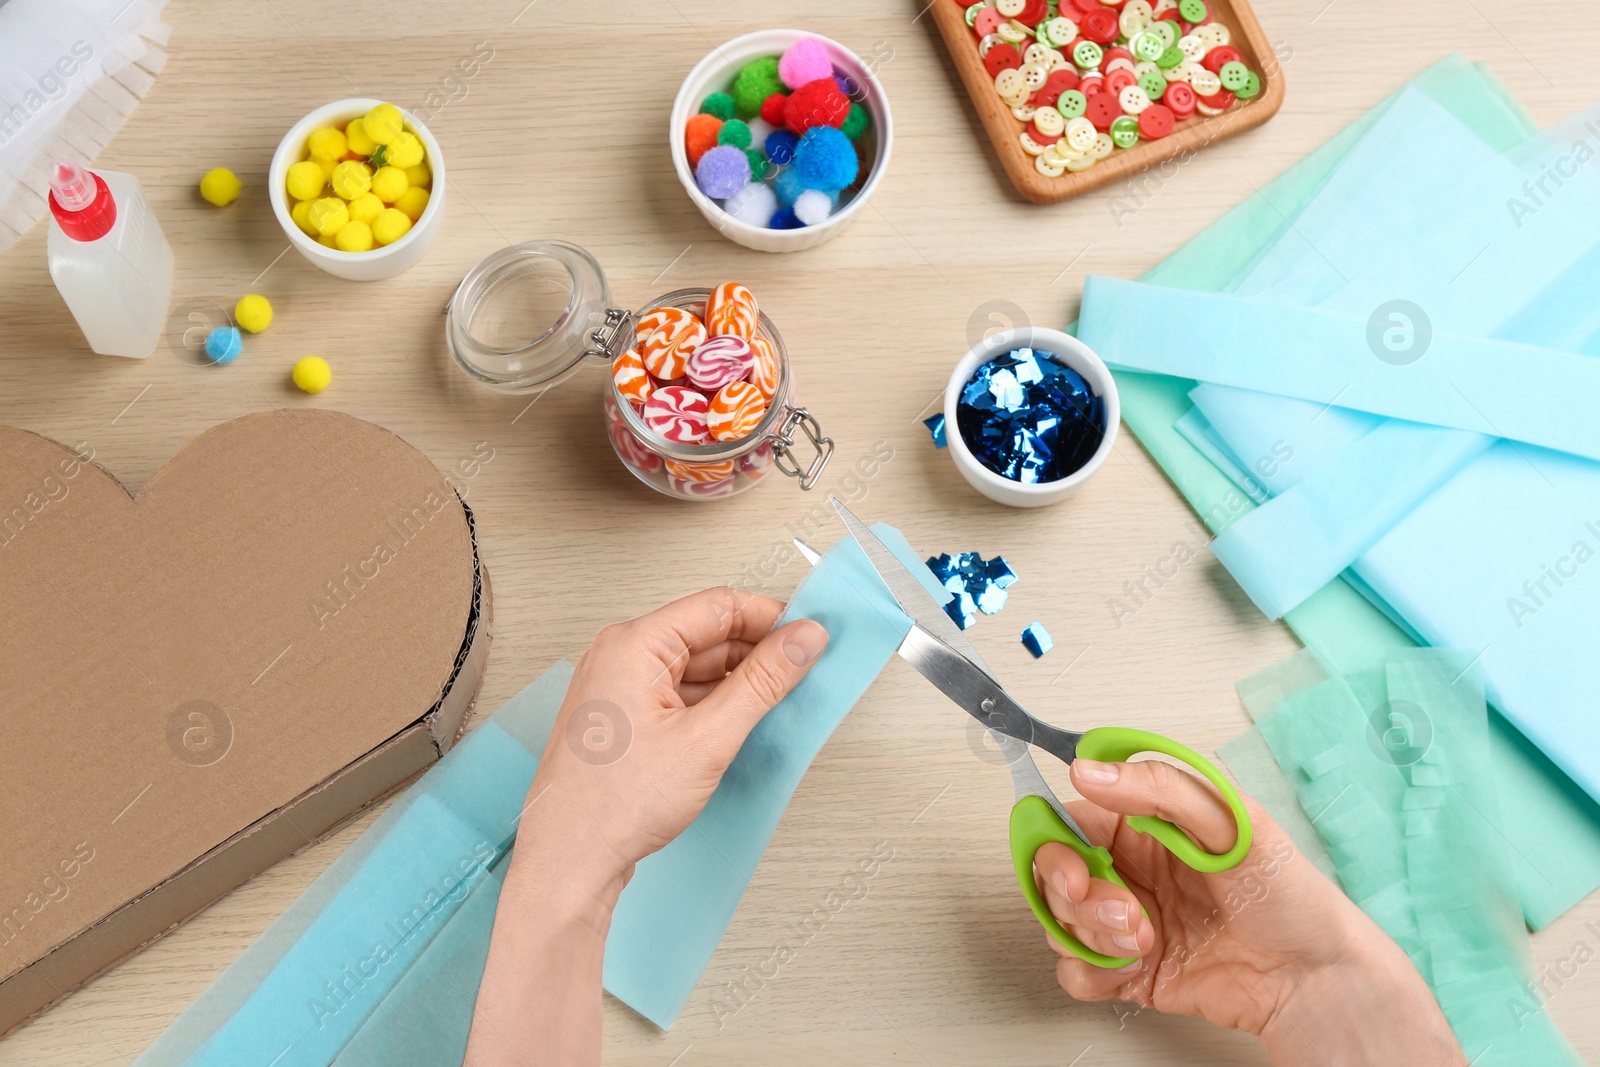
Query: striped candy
pixel 735 411
pixel 731 309
pixel 699 472
pixel 682 487
pixel 633 383
pixel 678 414
pixel 665 339
pixel 632 451
pixel 764 368
pixel 720 359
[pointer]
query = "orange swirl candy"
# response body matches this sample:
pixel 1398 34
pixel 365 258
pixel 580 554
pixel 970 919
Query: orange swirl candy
pixel 764 375
pixel 700 472
pixel 632 382
pixel 736 411
pixel 731 309
pixel 666 337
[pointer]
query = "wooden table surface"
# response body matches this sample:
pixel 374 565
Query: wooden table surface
pixel 561 134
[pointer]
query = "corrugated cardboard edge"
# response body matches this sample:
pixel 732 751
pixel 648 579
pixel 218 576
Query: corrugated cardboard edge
pixel 302 822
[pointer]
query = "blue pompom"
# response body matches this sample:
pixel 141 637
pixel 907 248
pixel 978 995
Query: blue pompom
pixel 825 159
pixel 788 186
pixel 722 172
pixel 784 220
pixel 780 147
pixel 223 344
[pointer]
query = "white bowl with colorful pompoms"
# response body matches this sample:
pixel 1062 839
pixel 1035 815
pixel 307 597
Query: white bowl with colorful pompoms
pixel 791 207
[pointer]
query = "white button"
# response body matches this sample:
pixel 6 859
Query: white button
pixel 1050 121
pixel 1049 170
pixel 1205 83
pixel 1081 133
pixel 1133 100
pixel 1103 144
pixel 1014 31
pixel 1009 83
pixel 1082 163
pixel 1029 145
pixel 1010 8
pixel 1035 75
pixel 1025 113
pixel 1039 53
pixel 1193 47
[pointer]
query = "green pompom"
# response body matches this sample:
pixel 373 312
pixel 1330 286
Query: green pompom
pixel 718 104
pixel 758 163
pixel 856 123
pixel 734 132
pixel 755 81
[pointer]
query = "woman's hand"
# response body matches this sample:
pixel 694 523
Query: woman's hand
pixel 656 711
pixel 1271 947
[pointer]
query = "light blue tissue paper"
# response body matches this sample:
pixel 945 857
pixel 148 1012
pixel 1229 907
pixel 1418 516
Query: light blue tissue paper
pixel 680 901
pixel 1460 381
pixel 1284 438
pixel 1388 471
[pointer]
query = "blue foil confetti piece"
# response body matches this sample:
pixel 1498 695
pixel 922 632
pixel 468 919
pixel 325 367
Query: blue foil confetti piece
pixel 935 425
pixel 1028 418
pixel 1036 639
pixel 978 585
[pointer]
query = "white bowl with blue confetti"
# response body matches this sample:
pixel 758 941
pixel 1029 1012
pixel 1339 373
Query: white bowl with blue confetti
pixel 1037 468
pixel 715 74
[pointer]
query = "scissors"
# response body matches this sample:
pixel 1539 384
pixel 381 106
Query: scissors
pixel 942 654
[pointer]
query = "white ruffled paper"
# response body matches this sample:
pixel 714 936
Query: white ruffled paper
pixel 71 72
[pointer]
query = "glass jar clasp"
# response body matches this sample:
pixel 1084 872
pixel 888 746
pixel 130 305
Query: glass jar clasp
pixel 783 441
pixel 612 337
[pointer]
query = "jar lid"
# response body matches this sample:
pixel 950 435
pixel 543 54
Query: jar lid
pixel 525 316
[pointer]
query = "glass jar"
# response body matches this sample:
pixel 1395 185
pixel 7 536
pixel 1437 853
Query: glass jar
pixel 531 315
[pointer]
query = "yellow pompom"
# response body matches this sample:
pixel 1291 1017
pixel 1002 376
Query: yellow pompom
pixel 326 242
pixel 351 179
pixel 355 135
pixel 404 151
pixel 365 208
pixel 312 374
pixel 389 183
pixel 301 214
pixel 329 215
pixel 305 180
pixel 354 237
pixel 383 123
pixel 413 202
pixel 326 166
pixel 220 187
pixel 419 175
pixel 253 312
pixel 391 226
pixel 326 142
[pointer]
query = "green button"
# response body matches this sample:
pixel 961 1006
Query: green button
pixel 1192 10
pixel 1147 46
pixel 972 14
pixel 1167 29
pixel 1125 131
pixel 1252 86
pixel 1087 55
pixel 1170 58
pixel 1235 76
pixel 1072 104
pixel 1153 84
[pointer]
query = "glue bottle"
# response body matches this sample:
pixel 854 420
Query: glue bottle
pixel 109 258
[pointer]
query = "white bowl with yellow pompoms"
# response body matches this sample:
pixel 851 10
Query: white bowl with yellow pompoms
pixel 360 204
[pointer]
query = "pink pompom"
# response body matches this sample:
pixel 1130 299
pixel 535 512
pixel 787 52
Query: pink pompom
pixel 805 61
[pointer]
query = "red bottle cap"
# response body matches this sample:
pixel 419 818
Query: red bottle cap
pixel 81 201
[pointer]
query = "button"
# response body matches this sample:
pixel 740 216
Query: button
pixel 1002 56
pixel 1029 145
pixel 1234 76
pixel 1252 86
pixel 1192 47
pixel 1102 110
pixel 1156 122
pixel 1033 12
pixel 1170 58
pixel 973 12
pixel 987 21
pixel 1132 22
pixel 1010 8
pixel 1100 25
pixel 1218 102
pixel 1217 58
pixel 1091 84
pixel 1153 84
pixel 1132 100
pixel 1057 32
pixel 1148 46
pixel 1102 146
pixel 1125 131
pixel 1049 122
pixel 1192 10
pixel 1025 112
pixel 1058 82
pixel 1009 83
pixel 1167 30
pixel 1117 81
pixel 1071 104
pixel 1082 163
pixel 1035 75
pixel 1114 53
pixel 1087 54
pixel 1048 169
pixel 1081 134
pixel 1039 53
pixel 1180 98
pixel 1014 31
pixel 1205 83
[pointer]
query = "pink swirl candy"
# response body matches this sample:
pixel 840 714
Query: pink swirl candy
pixel 678 414
pixel 718 360
pixel 682 487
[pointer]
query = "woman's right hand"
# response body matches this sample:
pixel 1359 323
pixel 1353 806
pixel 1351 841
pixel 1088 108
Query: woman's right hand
pixel 1271 947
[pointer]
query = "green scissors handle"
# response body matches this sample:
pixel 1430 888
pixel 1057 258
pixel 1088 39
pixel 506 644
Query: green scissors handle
pixel 1034 822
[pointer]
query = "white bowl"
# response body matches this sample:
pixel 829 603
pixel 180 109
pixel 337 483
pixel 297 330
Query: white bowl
pixel 382 262
pixel 1070 352
pixel 714 74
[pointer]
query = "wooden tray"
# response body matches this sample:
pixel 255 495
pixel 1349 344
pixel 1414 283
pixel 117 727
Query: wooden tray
pixel 1191 135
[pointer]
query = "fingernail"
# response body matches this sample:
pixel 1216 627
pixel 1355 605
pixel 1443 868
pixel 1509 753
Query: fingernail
pixel 1059 882
pixel 1113 914
pixel 1095 771
pixel 805 643
pixel 1130 968
pixel 1126 942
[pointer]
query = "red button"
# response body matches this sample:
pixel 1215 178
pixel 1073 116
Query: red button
pixel 1040 138
pixel 1171 15
pixel 1119 80
pixel 987 22
pixel 1180 99
pixel 1103 109
pixel 1091 84
pixel 1220 101
pixel 1115 52
pixel 1218 56
pixel 1034 12
pixel 1100 26
pixel 1058 82
pixel 1156 121
pixel 1085 7
pixel 1002 57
